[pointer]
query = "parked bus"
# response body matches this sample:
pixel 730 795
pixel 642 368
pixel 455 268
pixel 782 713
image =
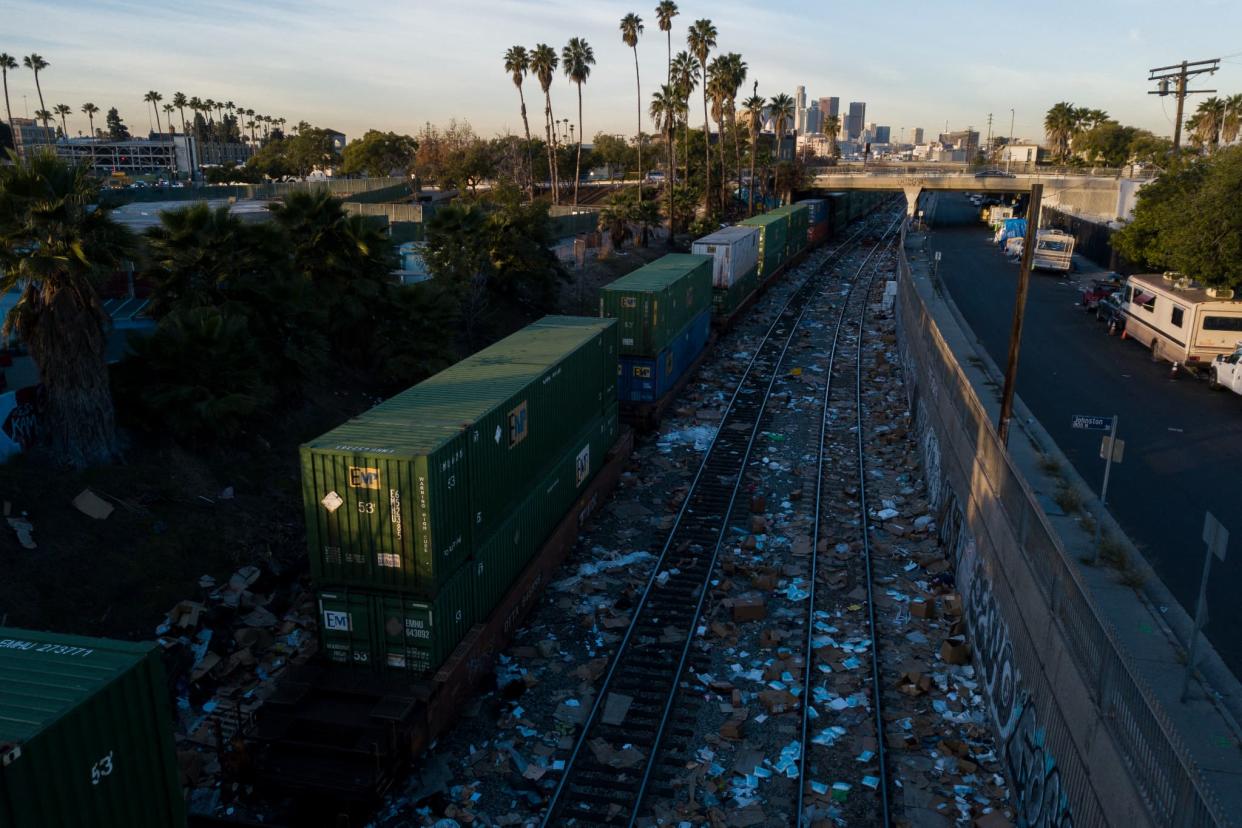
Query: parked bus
pixel 1181 321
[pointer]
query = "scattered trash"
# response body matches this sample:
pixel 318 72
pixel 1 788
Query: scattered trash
pixel 92 505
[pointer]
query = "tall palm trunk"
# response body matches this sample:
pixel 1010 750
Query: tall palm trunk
pixel 90 117
pixel 672 135
pixel 737 147
pixel 550 125
pixel 578 162
pixel 707 150
pixel 7 109
pixel 39 88
pixel 64 126
pixel 750 190
pixel 638 84
pixel 672 170
pixel 530 164
pixel 720 154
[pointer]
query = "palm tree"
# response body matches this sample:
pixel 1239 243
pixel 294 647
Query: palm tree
pixel 90 111
pixel 8 62
pixel 45 116
pixel 154 99
pixel 631 28
pixel 62 110
pixel 718 90
pixel 543 63
pixel 701 40
pixel 56 246
pixel 666 108
pixel 250 115
pixel 832 125
pixel 753 107
pixel 181 102
pixel 665 12
pixel 685 79
pixel 1211 113
pixel 735 77
pixel 517 64
pixel 1060 122
pixel 1231 125
pixel 36 64
pixel 782 110
pixel 577 58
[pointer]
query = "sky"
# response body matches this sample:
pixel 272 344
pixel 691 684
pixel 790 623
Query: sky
pixel 398 64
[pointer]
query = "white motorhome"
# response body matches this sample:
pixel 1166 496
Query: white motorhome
pixel 1054 250
pixel 1181 321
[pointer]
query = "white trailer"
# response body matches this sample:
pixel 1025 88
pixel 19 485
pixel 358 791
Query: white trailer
pixel 1054 250
pixel 1181 321
pixel 734 250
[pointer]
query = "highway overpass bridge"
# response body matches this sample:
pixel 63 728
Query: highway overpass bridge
pixel 1107 197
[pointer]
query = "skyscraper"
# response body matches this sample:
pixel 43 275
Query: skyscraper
pixel 916 135
pixel 855 120
pixel 814 118
pixel 829 107
pixel 800 110
pixel 881 134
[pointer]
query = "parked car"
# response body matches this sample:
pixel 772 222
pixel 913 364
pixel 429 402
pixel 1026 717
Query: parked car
pixel 1098 290
pixel 655 176
pixel 1226 371
pixel 1108 310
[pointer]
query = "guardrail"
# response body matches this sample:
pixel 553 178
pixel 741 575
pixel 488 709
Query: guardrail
pixel 961 171
pixel 1157 762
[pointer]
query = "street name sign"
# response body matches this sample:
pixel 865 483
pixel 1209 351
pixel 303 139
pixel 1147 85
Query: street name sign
pixel 1091 422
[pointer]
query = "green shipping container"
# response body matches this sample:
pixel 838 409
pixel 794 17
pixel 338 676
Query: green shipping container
pixel 656 301
pixel 396 632
pixel 400 496
pixel 726 300
pixel 796 237
pixel 773 240
pixel 85 734
pixel 387 505
pixel 504 555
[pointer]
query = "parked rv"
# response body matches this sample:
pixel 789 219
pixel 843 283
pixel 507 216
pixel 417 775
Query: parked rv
pixel 1054 250
pixel 1181 321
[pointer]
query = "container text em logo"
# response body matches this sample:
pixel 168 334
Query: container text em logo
pixel 518 424
pixel 361 477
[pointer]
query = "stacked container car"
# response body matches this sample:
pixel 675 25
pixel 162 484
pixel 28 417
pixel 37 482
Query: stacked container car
pixel 663 313
pixel 819 226
pixel 735 265
pixel 773 238
pixel 796 235
pixel 421 511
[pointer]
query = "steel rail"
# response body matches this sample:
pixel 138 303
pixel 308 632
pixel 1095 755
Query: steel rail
pixel 804 751
pixel 557 801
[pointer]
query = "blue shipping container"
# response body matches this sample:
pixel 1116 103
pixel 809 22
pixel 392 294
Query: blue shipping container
pixel 643 379
pixel 817 208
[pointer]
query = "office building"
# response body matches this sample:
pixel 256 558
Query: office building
pixel 880 134
pixel 800 110
pixel 915 136
pixel 814 119
pixel 830 107
pixel 27 132
pixel 855 121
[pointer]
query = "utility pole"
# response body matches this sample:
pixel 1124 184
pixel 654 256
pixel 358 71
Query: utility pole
pixel 1009 142
pixel 1180 74
pixel 989 144
pixel 1019 312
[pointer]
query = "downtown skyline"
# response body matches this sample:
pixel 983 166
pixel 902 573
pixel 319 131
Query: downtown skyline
pixel 396 69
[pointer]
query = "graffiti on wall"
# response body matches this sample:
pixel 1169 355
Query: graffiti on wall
pixel 1033 772
pixel 19 419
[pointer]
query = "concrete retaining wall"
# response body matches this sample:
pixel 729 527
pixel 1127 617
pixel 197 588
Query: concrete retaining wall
pixel 1081 740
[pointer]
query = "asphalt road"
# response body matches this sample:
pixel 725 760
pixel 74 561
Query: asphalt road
pixel 1183 442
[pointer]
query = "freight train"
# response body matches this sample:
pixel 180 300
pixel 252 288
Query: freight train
pixel 433 522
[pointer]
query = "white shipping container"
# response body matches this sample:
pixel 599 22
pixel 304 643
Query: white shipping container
pixel 734 252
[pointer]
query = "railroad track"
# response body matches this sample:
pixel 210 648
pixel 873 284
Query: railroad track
pixel 655 650
pixel 842 424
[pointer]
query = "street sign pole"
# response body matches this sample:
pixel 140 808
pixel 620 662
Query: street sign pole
pixel 1108 462
pixel 1216 538
pixel 1108 467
